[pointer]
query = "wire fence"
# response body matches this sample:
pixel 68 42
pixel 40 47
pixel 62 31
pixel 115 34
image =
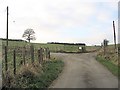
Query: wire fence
pixel 15 57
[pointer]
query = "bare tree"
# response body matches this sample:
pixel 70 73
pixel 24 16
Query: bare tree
pixel 29 34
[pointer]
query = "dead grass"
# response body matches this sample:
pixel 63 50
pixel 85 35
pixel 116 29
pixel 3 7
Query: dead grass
pixel 110 54
pixel 34 75
pixel 26 74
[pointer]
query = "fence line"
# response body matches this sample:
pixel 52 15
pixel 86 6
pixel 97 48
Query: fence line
pixel 21 56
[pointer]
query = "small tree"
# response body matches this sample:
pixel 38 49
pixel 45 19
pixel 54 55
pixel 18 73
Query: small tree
pixel 29 34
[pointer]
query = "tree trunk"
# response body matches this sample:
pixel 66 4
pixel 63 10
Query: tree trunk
pixel 29 40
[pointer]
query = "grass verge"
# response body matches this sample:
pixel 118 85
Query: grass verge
pixel 112 67
pixel 50 73
pixel 36 76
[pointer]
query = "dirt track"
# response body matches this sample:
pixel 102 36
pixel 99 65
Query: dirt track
pixel 83 71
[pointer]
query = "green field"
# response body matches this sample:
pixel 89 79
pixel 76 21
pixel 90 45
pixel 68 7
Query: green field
pixel 52 47
pixel 20 44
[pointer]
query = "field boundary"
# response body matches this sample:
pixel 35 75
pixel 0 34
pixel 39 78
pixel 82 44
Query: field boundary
pixel 15 58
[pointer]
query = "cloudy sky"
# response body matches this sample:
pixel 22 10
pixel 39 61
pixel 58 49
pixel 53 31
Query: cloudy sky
pixel 71 21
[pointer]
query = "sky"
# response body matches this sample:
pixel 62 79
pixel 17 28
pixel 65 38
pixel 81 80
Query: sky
pixel 70 21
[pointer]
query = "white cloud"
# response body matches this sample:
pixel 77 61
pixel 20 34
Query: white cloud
pixel 52 19
pixel 103 17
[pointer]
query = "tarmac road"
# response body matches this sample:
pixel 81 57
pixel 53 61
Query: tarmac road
pixel 83 71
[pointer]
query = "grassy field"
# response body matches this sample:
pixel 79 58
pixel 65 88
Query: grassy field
pixel 52 47
pixel 92 48
pixel 19 56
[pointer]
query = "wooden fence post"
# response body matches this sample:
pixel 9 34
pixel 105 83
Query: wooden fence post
pixel 24 55
pixel 14 62
pixel 48 53
pixel 32 53
pixel 43 53
pixel 40 55
pixel 6 61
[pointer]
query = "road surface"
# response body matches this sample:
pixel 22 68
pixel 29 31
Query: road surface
pixel 83 71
